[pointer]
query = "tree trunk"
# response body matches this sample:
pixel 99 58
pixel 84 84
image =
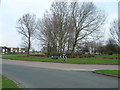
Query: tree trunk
pixel 73 50
pixel 29 45
pixel 74 44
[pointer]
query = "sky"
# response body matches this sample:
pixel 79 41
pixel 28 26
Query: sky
pixel 12 10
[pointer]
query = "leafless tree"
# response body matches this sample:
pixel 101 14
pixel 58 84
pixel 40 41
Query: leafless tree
pixel 45 33
pixel 67 24
pixel 115 31
pixel 60 18
pixel 26 26
pixel 86 19
pixel 53 27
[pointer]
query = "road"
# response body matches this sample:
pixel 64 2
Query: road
pixel 61 66
pixel 37 77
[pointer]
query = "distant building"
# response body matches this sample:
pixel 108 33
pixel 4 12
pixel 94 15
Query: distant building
pixel 9 50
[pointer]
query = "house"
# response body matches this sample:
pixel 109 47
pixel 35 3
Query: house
pixel 12 50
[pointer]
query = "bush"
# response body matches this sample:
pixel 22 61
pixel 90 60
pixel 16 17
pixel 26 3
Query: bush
pixel 110 53
pixel 41 55
pixel 52 54
pixel 22 55
pixel 76 55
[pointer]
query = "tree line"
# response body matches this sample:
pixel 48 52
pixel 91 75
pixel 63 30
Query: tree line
pixel 63 27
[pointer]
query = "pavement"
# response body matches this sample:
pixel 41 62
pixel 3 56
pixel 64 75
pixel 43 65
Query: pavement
pixel 29 74
pixel 61 66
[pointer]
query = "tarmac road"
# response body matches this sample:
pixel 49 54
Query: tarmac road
pixel 61 66
pixel 36 77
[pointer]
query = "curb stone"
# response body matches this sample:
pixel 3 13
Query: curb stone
pixel 20 85
pixel 106 74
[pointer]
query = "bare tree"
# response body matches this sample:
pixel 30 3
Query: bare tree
pixel 60 19
pixel 26 26
pixel 86 19
pixel 115 31
pixel 67 24
pixel 45 33
pixel 53 27
pixel 111 47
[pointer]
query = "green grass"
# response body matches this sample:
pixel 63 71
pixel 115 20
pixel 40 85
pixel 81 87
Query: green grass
pixel 93 61
pixel 0 81
pixel 6 83
pixel 69 60
pixel 106 55
pixel 112 72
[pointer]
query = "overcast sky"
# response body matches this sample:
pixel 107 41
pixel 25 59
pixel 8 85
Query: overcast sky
pixel 12 10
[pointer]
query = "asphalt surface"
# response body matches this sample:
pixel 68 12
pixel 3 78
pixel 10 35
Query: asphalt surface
pixel 36 77
pixel 61 66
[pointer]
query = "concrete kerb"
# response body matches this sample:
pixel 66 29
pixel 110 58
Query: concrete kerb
pixel 106 74
pixel 20 85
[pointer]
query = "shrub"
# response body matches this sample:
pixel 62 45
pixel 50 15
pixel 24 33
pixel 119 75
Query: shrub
pixel 22 55
pixel 110 53
pixel 41 55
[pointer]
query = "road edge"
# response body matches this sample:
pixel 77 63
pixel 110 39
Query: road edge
pixel 106 74
pixel 16 82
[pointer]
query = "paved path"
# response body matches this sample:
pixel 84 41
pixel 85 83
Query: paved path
pixel 61 66
pixel 36 77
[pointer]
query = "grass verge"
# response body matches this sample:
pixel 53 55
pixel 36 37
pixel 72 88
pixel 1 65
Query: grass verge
pixel 6 83
pixel 69 60
pixel 109 72
pixel 105 55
